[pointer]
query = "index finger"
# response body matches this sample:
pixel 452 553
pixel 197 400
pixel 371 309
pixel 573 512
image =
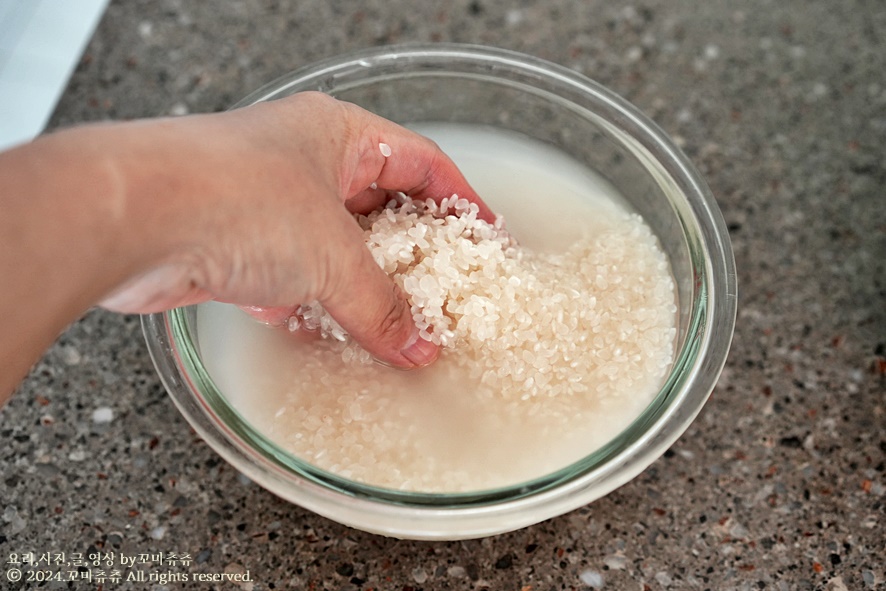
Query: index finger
pixel 393 158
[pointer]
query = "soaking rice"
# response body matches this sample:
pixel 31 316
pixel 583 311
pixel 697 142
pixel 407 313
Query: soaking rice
pixel 523 324
pixel 545 355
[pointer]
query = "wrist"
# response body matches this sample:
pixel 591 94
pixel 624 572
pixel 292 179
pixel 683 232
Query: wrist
pixel 162 222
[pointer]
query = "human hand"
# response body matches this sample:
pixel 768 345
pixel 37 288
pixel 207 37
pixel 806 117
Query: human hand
pixel 264 198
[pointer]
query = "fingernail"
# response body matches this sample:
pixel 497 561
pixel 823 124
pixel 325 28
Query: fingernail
pixel 420 352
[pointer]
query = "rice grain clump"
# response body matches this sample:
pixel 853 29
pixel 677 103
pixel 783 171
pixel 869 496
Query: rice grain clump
pixel 594 320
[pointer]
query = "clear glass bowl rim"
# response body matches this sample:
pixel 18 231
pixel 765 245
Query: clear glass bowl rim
pixel 465 515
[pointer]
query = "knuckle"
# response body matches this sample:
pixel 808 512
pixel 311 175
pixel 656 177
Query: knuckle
pixel 392 322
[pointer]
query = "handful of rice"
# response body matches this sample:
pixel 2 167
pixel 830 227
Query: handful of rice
pixel 441 256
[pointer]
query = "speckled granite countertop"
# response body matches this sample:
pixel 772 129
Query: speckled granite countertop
pixel 779 484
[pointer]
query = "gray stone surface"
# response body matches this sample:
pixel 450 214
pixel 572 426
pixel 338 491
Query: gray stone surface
pixel 779 484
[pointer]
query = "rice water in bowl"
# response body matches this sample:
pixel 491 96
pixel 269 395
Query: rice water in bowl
pixel 580 337
pixel 552 346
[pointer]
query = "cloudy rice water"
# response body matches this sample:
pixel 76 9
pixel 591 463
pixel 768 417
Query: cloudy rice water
pixel 557 330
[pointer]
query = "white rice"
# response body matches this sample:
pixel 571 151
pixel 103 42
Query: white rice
pixel 524 324
pixel 546 356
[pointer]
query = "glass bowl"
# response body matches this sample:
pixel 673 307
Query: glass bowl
pixel 478 85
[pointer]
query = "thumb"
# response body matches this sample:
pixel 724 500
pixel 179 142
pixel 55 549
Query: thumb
pixel 373 310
